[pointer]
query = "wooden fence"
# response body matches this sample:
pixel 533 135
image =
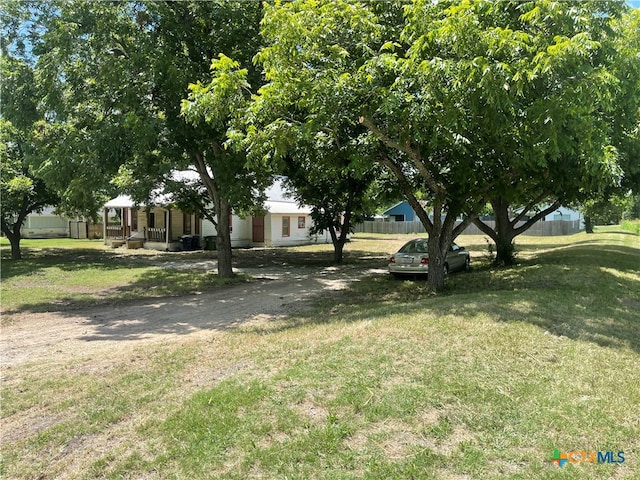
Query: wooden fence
pixel 549 228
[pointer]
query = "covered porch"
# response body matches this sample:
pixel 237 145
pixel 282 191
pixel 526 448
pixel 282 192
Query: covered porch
pixel 137 226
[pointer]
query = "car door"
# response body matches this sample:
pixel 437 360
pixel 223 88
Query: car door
pixel 455 257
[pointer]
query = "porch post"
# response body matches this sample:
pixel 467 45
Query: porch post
pixel 105 219
pixel 125 222
pixel 167 227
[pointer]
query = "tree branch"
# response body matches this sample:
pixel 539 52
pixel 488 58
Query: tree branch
pixel 413 155
pixel 531 204
pixel 537 217
pixel 484 228
pixel 407 189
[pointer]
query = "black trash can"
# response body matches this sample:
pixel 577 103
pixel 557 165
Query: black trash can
pixel 195 242
pixel 187 242
pixel 210 242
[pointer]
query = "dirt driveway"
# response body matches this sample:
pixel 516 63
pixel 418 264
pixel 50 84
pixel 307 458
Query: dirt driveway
pixel 59 336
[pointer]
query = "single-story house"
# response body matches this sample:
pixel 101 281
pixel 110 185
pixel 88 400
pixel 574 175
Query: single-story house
pixel 400 212
pixel 162 227
pixel 565 214
pixel 45 224
pixel 403 212
pixel 49 224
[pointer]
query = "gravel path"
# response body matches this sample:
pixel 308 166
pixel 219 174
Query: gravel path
pixel 58 336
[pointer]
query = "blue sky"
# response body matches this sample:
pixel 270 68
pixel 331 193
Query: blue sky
pixel 634 3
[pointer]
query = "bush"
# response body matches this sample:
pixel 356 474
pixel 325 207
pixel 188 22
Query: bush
pixel 631 226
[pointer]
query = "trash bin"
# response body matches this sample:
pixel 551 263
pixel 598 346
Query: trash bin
pixel 195 242
pixel 187 242
pixel 210 242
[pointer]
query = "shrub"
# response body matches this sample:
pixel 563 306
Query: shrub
pixel 631 226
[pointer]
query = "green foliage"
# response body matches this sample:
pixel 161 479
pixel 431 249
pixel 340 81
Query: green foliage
pixel 303 119
pixel 632 226
pixel 476 99
pixel 111 79
pixel 605 211
pixel 21 189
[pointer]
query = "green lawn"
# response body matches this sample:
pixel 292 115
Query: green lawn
pixel 63 273
pixel 386 380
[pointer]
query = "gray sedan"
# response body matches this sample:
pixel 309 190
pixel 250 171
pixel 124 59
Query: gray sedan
pixel 413 259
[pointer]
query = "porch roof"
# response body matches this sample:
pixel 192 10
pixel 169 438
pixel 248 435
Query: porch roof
pixel 121 201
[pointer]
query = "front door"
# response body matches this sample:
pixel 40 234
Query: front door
pixel 258 229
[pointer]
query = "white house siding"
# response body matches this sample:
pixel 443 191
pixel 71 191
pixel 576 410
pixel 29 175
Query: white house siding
pixel 240 231
pixel 296 235
pixel 44 226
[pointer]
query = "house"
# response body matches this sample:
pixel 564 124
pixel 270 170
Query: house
pixel 400 212
pixel 285 223
pixel 563 213
pixel 48 224
pixel 45 224
pixel 157 227
pixel 163 227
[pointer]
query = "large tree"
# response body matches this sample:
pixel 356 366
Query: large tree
pixel 116 74
pixel 302 123
pixel 326 177
pixel 476 100
pixel 21 191
pixel 571 122
pixel 351 61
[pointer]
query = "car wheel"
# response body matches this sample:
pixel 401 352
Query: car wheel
pixel 467 265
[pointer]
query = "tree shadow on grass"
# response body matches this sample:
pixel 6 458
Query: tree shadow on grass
pixel 35 260
pixel 586 293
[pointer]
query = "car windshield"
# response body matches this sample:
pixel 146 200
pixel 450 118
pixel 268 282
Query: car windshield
pixel 419 246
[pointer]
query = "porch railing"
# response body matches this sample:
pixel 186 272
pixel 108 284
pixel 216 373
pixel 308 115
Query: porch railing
pixel 117 231
pixel 156 234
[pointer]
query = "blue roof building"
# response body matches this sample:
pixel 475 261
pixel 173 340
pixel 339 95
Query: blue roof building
pixel 400 212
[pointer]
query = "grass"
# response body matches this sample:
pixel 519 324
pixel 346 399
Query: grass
pixel 57 274
pixel 384 380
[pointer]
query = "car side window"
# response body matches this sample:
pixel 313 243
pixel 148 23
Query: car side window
pixel 454 248
pixel 421 247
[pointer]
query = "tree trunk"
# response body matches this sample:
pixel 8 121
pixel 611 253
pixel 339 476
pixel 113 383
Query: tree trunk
pixel 338 244
pixel 436 275
pixel 338 251
pixel 223 242
pixel 14 238
pixel 588 224
pixel 16 253
pixel 504 234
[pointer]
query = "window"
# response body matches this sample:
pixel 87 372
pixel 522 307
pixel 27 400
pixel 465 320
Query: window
pixel 285 226
pixel 302 222
pixel 152 220
pixel 186 224
pixel 230 223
